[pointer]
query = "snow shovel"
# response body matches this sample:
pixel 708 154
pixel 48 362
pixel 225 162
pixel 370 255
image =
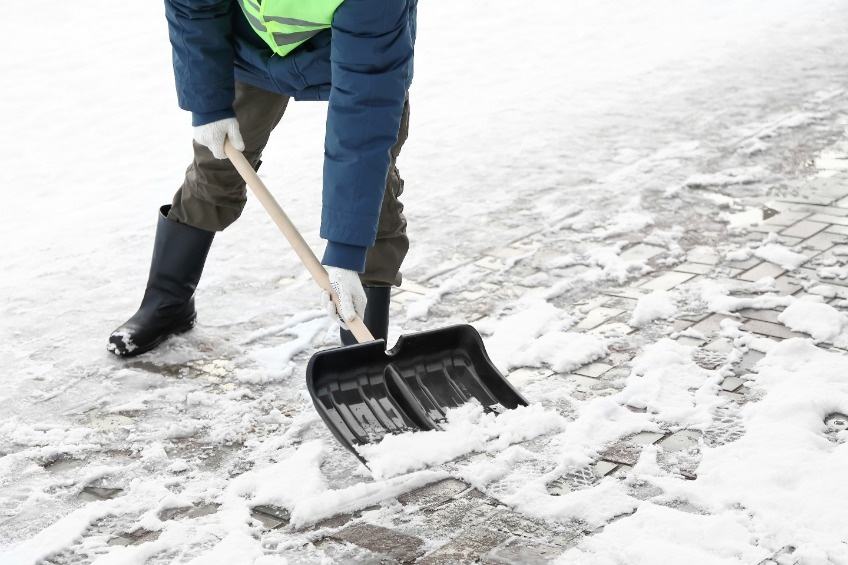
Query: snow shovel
pixel 363 392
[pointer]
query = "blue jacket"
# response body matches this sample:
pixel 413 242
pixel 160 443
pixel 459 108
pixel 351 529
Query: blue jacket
pixel 362 65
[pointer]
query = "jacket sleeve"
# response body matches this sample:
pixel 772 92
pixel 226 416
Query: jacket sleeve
pixel 201 41
pixel 371 67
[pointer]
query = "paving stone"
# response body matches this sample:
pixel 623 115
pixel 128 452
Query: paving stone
pixel 681 325
pixel 203 510
pixel 623 453
pixel 789 241
pixel 433 494
pixel 345 553
pixel 645 438
pixel 763 228
pixel 786 286
pixel 521 551
pixel 734 396
pixel 627 292
pixel 394 544
pixel 813 208
pixel 770 329
pixel 271 516
pixel 667 281
pixel 762 315
pixel 612 329
pixel 787 218
pixel 709 359
pixel 474 494
pixel 680 441
pixel 690 341
pixel 174 513
pixel 732 383
pixel 525 375
pixel 586 385
pixel 823 240
pixel 456 514
pixel 746 264
pixel 594 370
pixel 516 524
pixel 710 325
pixel 829 219
pixel 703 254
pixel 622 470
pixel 818 191
pixel 834 186
pixel 694 268
pixel 813 275
pixel 720 345
pixel 101 493
pixel 749 359
pixel 604 468
pixel 762 270
pixel 597 317
pixel 641 252
pixel 839 230
pixel 334 522
pixel 63 463
pixel 803 229
pixel 592 303
pixel 467 547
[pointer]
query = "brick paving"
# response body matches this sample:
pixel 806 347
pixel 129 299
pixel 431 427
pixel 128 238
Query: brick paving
pixel 449 521
pixel 812 218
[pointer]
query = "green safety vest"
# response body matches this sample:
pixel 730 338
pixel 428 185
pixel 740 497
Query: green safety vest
pixel 285 24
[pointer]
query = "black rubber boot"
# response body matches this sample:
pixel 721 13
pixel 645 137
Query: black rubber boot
pixel 179 253
pixel 376 314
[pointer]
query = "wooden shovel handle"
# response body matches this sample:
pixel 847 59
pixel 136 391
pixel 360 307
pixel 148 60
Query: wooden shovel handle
pixel 307 257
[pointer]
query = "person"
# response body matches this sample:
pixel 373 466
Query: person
pixel 237 63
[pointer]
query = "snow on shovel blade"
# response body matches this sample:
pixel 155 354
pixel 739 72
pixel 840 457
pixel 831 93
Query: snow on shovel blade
pixel 363 392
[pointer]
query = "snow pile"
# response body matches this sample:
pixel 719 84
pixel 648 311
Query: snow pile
pixel 658 304
pixel 468 429
pixel 822 321
pixel 534 336
pixel 780 255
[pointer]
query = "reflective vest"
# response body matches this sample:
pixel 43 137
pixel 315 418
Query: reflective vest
pixel 285 24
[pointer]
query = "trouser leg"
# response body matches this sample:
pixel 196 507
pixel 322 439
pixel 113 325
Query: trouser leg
pixel 213 194
pixel 382 264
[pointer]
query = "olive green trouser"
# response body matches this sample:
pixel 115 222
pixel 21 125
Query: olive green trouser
pixel 213 194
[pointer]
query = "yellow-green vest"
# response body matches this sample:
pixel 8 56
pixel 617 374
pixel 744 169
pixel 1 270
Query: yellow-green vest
pixel 285 24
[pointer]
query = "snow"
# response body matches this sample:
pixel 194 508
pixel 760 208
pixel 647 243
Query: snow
pixel 604 124
pixel 658 304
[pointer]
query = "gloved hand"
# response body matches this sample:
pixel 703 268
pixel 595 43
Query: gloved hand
pixel 212 136
pixel 351 295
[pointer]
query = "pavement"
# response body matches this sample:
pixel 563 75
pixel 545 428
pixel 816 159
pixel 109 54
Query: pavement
pixel 809 214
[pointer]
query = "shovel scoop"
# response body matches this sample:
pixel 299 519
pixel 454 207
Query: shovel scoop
pixel 363 392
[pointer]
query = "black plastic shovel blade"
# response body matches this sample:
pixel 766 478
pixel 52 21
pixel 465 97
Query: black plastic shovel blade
pixel 363 392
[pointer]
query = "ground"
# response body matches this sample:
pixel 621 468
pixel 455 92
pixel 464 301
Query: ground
pixel 643 210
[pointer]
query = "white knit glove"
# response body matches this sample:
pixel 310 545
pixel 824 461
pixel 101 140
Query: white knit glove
pixel 351 295
pixel 212 135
